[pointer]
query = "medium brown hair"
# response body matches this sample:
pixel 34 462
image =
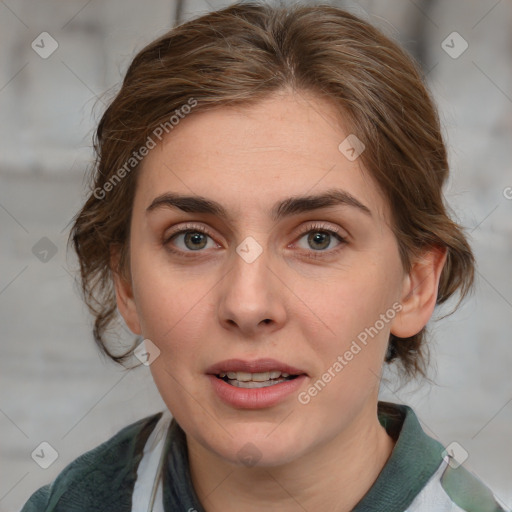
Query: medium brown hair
pixel 241 55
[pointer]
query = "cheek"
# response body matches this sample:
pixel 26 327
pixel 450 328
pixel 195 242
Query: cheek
pixel 345 304
pixel 347 323
pixel 171 303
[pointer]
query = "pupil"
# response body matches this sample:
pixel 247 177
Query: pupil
pixel 319 237
pixel 195 238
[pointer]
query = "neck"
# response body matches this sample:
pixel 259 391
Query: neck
pixel 334 476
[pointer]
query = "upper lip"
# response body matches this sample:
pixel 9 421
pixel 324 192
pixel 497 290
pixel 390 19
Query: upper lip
pixel 255 366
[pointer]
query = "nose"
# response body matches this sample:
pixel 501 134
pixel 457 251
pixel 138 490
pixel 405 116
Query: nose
pixel 251 296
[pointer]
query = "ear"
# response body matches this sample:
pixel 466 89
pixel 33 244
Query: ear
pixel 124 293
pixel 419 293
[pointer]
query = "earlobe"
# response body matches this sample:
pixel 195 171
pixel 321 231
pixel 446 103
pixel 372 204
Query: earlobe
pixel 124 296
pixel 419 293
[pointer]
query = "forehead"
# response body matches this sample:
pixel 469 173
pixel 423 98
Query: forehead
pixel 248 158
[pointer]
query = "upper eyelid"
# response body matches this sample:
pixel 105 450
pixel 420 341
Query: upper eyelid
pixel 320 225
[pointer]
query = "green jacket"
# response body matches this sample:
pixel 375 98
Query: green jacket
pixel 419 476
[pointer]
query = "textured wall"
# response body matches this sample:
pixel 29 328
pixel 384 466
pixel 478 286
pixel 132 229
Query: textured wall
pixel 54 386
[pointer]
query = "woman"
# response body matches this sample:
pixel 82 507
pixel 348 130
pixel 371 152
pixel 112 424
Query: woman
pixel 267 215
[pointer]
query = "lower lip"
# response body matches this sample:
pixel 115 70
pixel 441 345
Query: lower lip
pixel 255 398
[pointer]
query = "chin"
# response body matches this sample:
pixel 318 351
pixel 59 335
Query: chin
pixel 260 450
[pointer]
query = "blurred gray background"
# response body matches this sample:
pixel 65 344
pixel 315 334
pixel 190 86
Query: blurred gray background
pixel 55 387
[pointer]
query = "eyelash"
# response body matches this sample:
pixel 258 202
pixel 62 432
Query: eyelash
pixel 309 228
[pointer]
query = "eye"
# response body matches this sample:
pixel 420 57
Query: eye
pixel 320 239
pixel 190 239
pixel 315 239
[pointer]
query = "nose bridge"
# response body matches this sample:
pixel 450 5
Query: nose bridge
pixel 250 269
pixel 249 295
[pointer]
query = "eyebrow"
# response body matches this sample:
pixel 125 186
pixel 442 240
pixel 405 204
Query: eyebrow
pixel 285 208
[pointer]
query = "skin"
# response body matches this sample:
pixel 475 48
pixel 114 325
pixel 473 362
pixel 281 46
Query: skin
pixel 211 306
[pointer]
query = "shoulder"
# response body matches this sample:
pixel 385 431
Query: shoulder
pixel 100 479
pixel 422 475
pixel 455 489
pixel 466 491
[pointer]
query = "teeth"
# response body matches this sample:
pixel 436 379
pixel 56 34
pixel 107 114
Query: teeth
pixel 260 377
pixel 254 377
pixel 252 384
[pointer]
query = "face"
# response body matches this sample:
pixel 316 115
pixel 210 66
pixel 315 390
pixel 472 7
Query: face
pixel 314 285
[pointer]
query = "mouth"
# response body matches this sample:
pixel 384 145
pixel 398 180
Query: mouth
pixel 260 373
pixel 255 380
pixel 255 384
